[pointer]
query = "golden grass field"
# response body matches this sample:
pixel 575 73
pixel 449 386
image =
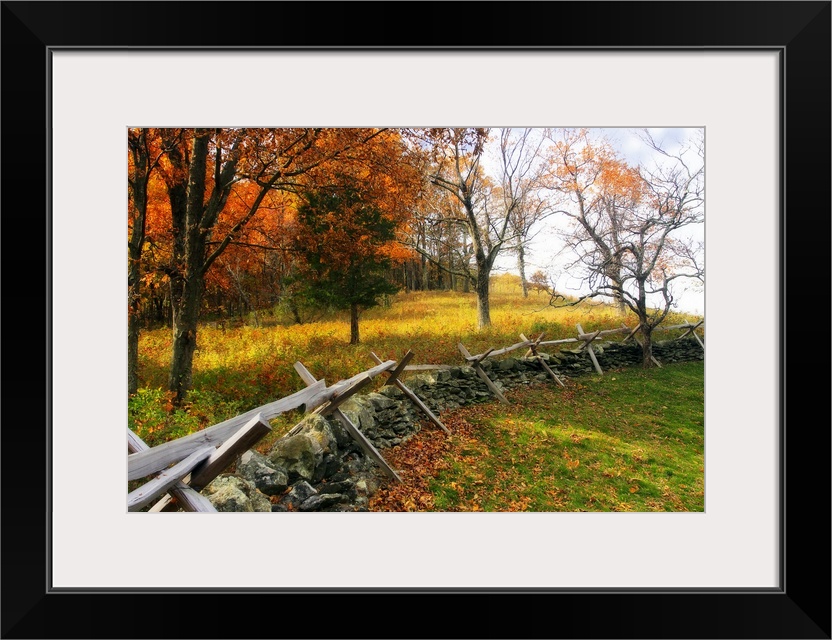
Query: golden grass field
pixel 237 369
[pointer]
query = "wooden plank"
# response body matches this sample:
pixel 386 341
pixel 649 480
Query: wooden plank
pixel 533 346
pixel 632 333
pixel 372 373
pixel 502 351
pixel 416 400
pixel 394 375
pixel 365 444
pixel 479 357
pixel 546 343
pixel 587 338
pixel 551 373
pixel 343 394
pixel 685 325
pixel 145 463
pixel 338 393
pixel 609 332
pixel 595 334
pixel 248 435
pixel 167 503
pixel 353 430
pixel 326 395
pixel 475 360
pixel 149 491
pixel 135 443
pixel 483 375
pixel 304 374
pixel 428 367
pixel 187 498
pixel 540 359
pixel 335 401
pixel 691 329
pixel 421 405
pixel 588 345
pixel 701 344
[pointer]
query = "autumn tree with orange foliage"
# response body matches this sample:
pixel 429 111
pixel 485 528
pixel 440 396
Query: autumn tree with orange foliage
pixel 626 223
pixel 221 187
pixel 593 184
pixel 348 229
pixel 144 155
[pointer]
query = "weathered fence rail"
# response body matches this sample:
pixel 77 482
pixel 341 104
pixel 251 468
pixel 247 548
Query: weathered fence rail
pixel 582 338
pixel 144 463
pixel 192 473
pixel 351 428
pixel 200 457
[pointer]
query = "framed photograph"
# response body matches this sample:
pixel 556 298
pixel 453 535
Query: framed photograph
pixel 754 75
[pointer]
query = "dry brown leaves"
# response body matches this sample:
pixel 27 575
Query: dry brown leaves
pixel 420 459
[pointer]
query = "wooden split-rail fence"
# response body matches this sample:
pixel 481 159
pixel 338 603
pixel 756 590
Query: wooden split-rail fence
pixel 180 469
pixel 200 457
pixel 585 340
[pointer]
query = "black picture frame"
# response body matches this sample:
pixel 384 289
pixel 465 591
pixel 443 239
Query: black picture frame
pixel 800 608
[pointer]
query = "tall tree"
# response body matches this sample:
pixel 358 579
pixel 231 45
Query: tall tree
pixel 144 155
pixel 459 171
pixel 579 167
pixel 195 207
pixel 630 245
pixel 521 177
pixel 495 210
pixel 345 247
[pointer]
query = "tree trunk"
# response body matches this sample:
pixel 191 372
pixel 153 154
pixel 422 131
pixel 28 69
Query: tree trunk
pixel 483 306
pixel 185 317
pixel 647 345
pixel 354 335
pixel 521 266
pixel 193 218
pixel 133 318
pixel 133 322
pixel 293 307
pixel 451 275
pixel 138 184
pixel 450 285
pixel 425 271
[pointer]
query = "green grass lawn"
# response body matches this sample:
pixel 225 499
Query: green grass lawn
pixel 630 440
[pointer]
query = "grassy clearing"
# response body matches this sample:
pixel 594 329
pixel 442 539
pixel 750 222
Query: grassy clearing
pixel 239 369
pixel 631 440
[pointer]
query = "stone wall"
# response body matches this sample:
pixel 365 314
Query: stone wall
pixel 321 468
